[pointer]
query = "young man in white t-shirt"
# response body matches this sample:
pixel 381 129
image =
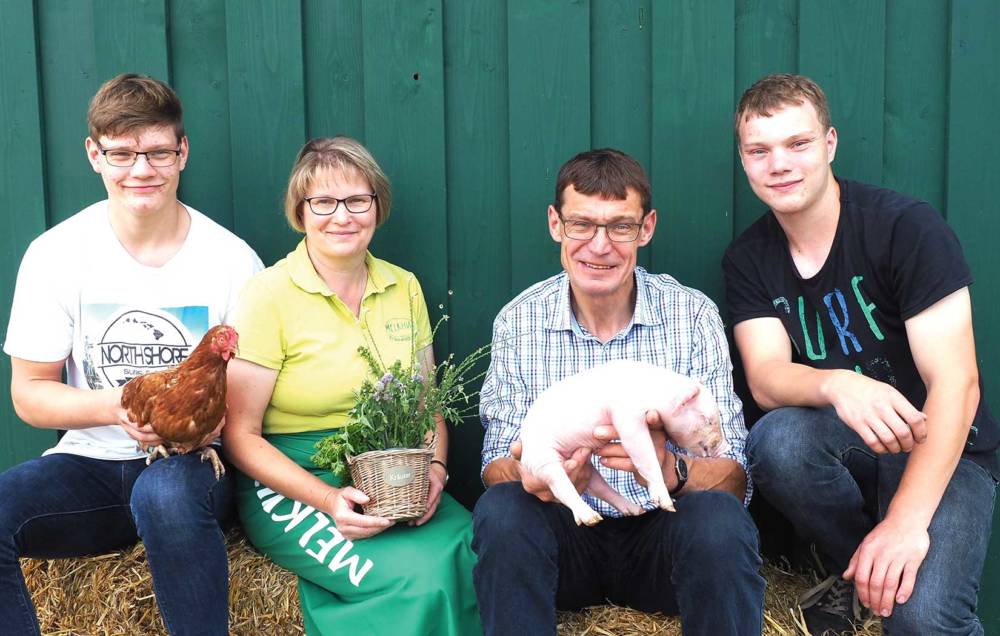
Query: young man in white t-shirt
pixel 126 286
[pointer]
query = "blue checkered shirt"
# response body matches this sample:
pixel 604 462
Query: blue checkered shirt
pixel 537 342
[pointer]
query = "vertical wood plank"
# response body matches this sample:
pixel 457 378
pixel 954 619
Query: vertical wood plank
pixel 766 43
pixel 842 47
pixel 475 55
pixel 548 57
pixel 916 80
pixel 621 80
pixel 200 77
pixel 404 129
pixel 692 159
pixel 70 77
pixel 131 37
pixel 267 118
pixel 334 68
pixel 22 195
pixel 973 210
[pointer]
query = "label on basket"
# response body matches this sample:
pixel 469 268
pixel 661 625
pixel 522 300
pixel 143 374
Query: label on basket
pixel 399 475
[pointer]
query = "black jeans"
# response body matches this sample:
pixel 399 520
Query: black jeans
pixel 701 562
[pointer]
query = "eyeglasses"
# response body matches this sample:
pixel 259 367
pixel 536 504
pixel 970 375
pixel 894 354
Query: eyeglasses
pixel 127 158
pixel 585 230
pixel 355 204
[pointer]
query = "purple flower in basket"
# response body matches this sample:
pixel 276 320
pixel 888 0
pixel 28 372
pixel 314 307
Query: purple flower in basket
pixel 381 387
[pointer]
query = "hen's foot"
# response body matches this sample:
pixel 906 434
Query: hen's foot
pixel 208 453
pixel 155 452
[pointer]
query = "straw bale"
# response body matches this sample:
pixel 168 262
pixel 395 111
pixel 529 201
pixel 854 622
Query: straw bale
pixel 112 594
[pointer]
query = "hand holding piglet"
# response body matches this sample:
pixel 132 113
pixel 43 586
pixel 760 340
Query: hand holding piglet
pixel 619 393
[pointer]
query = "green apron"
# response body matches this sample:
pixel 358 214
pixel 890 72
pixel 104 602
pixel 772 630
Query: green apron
pixel 405 580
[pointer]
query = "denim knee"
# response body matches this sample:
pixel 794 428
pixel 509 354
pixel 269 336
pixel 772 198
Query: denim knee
pixel 778 442
pixel 506 512
pixel 714 523
pixel 173 493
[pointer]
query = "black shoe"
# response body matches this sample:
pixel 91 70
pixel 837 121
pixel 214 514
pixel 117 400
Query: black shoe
pixel 832 608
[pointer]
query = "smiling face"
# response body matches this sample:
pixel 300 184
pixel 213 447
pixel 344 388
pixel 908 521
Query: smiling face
pixel 599 269
pixel 140 189
pixel 343 236
pixel 787 158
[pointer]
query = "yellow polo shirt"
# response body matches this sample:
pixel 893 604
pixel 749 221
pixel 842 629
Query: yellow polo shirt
pixel 290 321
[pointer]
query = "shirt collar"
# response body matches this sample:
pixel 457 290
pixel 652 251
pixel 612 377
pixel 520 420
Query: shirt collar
pixel 562 318
pixel 304 275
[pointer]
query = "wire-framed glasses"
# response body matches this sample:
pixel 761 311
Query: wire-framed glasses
pixel 325 205
pixel 127 158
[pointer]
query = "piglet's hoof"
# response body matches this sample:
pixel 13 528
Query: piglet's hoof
pixel 664 502
pixel 590 519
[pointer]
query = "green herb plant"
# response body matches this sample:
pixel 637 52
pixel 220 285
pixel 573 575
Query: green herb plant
pixel 396 406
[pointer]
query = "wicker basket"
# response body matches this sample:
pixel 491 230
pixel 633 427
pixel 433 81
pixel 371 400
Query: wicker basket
pixel 395 480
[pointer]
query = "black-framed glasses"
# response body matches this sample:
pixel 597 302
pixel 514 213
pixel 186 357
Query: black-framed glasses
pixel 127 158
pixel 585 230
pixel 325 205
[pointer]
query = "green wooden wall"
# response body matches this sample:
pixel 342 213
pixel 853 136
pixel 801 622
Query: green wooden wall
pixel 471 106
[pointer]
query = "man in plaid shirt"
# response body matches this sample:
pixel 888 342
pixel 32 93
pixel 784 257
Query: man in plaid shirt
pixel 701 562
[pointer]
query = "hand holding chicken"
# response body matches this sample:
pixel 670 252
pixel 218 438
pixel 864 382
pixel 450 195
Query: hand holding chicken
pixel 184 406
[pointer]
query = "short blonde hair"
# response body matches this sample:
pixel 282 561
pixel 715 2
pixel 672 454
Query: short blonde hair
pixel 334 153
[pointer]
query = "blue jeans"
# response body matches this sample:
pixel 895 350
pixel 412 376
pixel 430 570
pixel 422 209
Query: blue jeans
pixel 834 489
pixel 700 562
pixel 65 506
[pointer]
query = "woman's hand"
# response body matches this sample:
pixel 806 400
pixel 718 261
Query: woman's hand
pixel 351 524
pixel 437 479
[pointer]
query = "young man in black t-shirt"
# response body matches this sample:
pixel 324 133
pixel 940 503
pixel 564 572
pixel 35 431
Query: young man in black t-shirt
pixel 852 316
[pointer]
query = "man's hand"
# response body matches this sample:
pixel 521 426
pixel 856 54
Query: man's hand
pixel 884 567
pixel 577 467
pixel 884 419
pixel 144 436
pixel 614 456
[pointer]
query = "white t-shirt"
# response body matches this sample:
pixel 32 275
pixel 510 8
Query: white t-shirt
pixel 82 298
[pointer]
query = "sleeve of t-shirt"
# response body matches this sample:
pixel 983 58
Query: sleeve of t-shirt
pixel 926 260
pixel 258 322
pixel 421 319
pixel 41 323
pixel 746 295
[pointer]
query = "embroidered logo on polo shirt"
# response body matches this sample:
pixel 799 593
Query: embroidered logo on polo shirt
pixel 399 329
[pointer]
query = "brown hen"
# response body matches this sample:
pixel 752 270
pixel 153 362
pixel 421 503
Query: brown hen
pixel 187 402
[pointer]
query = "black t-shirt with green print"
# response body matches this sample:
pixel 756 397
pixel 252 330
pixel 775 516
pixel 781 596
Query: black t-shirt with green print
pixel 892 257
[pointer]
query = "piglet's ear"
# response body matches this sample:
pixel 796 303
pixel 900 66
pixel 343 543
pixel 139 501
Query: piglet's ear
pixel 685 397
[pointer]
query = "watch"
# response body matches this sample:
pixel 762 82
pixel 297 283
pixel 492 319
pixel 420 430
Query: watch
pixel 681 468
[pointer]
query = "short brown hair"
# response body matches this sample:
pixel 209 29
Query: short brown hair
pixel 606 172
pixel 774 92
pixel 334 153
pixel 129 103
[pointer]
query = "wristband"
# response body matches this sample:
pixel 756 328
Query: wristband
pixel 443 465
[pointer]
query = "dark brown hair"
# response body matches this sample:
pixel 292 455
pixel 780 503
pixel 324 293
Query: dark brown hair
pixel 777 91
pixel 606 172
pixel 129 103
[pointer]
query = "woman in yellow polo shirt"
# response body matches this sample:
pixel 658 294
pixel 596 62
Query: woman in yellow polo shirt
pixel 301 322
